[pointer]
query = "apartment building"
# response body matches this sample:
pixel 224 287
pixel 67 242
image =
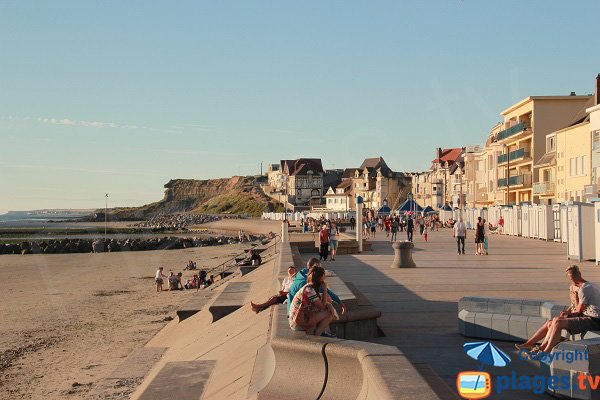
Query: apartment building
pixel 522 139
pixel 443 183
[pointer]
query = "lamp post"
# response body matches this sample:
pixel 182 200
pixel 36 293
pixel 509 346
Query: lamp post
pixel 105 214
pixel 507 173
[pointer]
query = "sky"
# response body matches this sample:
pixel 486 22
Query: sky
pixel 120 97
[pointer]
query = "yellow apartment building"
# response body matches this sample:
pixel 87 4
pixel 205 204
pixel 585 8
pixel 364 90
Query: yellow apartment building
pixel 573 162
pixel 481 174
pixel 521 139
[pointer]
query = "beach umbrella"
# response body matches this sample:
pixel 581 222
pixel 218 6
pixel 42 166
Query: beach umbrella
pixel 486 353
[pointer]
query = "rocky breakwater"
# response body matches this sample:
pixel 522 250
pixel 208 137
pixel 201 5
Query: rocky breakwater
pixel 178 222
pixel 64 246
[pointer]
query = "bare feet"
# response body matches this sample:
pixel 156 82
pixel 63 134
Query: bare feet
pixel 254 307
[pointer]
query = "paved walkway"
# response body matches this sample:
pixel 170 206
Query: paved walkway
pixel 419 305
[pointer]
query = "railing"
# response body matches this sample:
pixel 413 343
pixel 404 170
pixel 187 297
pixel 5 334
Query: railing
pixel 231 262
pixel 518 180
pixel 543 188
pixel 513 130
pixel 514 155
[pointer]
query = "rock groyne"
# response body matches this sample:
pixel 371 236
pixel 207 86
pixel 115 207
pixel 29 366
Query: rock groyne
pixel 64 246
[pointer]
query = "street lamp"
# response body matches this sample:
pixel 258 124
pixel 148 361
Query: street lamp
pixel 105 214
pixel 507 173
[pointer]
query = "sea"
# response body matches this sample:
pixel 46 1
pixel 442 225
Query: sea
pixel 24 217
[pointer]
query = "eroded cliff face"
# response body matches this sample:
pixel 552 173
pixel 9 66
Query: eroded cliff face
pixel 235 195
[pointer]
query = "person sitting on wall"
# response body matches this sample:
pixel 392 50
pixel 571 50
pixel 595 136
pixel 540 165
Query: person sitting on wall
pixel 278 298
pixel 300 281
pixel 311 309
pixel 253 258
pixel 585 316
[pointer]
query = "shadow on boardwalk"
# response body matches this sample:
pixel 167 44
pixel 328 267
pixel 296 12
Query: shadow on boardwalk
pixel 419 306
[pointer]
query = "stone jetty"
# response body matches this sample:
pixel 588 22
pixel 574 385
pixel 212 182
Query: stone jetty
pixel 63 246
pixel 179 222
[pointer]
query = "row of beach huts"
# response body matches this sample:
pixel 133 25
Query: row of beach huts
pixel 574 223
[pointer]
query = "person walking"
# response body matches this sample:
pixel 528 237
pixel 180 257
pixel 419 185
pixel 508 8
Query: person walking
pixel 333 240
pixel 486 231
pixel 324 241
pixel 410 226
pixel 394 229
pixel 460 233
pixel 352 223
pixel 479 237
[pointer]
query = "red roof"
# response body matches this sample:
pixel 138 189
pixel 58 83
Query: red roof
pixel 449 155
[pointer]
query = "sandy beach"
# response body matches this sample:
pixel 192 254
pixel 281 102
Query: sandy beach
pixel 69 320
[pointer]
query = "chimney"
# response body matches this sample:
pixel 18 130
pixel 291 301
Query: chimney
pixel 597 91
pixel 439 154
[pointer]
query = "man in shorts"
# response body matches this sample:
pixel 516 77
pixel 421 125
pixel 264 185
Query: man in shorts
pixel 158 279
pixel 585 316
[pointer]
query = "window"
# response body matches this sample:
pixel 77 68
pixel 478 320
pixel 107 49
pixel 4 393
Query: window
pixel 584 165
pixel 572 167
pixel 579 166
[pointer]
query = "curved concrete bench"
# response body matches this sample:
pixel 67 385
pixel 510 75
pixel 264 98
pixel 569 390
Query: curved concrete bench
pixel 306 367
pixel 337 368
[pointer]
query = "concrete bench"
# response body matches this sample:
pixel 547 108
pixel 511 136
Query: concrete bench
pixel 331 368
pixel 193 305
pixel 503 319
pixel 231 299
pixel 337 368
pixel 570 362
pixel 360 320
pixel 182 380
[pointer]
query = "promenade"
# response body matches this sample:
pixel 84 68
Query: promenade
pixel 419 305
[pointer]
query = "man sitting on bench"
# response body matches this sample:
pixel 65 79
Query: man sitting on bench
pixel 584 317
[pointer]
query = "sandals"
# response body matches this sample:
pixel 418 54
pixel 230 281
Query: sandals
pixel 329 335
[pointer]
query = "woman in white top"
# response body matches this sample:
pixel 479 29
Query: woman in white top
pixel 279 298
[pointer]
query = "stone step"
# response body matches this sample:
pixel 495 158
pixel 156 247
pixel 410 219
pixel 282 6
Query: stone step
pixel 127 377
pixel 231 299
pixel 194 305
pixel 181 380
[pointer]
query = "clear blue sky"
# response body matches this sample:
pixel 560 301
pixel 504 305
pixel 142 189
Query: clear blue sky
pixel 120 97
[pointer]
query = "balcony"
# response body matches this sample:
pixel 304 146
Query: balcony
pixel 512 131
pixel 543 188
pixel 590 191
pixel 514 156
pixel 518 180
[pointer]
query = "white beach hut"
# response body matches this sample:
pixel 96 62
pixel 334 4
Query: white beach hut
pixel 525 220
pixel 534 221
pixel 507 214
pixel 516 223
pixel 597 228
pixel 563 224
pixel 581 227
pixel 545 219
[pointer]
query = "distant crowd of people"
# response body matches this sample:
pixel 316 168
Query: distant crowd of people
pixel 175 280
